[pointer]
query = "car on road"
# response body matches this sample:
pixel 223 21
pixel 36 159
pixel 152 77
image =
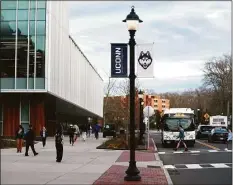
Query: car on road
pixel 109 130
pixel 203 131
pixel 218 134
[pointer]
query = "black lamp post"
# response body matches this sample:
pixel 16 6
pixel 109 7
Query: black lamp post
pixel 141 124
pixel 132 21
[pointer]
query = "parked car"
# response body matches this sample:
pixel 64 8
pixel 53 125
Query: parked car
pixel 203 131
pixel 109 130
pixel 218 134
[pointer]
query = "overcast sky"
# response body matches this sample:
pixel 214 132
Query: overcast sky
pixel 186 34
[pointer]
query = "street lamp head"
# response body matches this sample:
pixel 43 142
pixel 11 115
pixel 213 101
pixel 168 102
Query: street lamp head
pixel 140 94
pixel 132 20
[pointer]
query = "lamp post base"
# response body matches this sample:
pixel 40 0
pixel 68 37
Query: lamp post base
pixel 132 178
pixel 132 172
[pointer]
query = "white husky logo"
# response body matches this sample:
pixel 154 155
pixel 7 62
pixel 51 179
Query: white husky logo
pixel 145 59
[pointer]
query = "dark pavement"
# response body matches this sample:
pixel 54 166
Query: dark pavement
pixel 201 176
pixel 194 166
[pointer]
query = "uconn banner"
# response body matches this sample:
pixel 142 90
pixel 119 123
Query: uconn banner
pixel 119 60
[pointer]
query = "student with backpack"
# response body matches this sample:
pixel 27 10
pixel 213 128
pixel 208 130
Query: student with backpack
pixel 59 142
pixel 181 139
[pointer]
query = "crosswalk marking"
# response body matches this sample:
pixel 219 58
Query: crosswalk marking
pixel 169 166
pixel 220 165
pixel 161 152
pixel 193 166
pixel 193 151
pixel 198 166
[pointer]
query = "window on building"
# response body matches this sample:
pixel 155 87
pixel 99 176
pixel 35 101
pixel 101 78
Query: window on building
pixel 25 114
pixel 8 15
pixel 163 106
pixel 156 101
pixel 1 119
pixel 40 28
pixel 156 106
pixel 40 56
pixel 163 101
pixel 7 47
pixel 22 15
pixel 41 4
pixel 8 4
pixel 41 15
pixel 23 5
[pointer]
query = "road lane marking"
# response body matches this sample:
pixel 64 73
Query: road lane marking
pixel 208 145
pixel 193 166
pixel 217 165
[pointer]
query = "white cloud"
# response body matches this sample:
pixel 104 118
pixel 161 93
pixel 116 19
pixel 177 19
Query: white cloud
pixel 185 35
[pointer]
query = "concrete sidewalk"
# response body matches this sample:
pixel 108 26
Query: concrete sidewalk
pixel 81 164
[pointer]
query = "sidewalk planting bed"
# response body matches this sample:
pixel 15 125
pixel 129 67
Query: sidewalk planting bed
pixel 118 144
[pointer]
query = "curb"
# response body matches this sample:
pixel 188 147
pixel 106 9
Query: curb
pixel 164 169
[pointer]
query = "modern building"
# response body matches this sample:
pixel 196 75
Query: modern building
pixel 45 77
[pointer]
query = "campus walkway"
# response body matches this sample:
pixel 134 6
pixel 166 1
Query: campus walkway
pixel 81 164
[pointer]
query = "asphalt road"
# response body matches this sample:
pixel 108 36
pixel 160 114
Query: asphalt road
pixel 205 163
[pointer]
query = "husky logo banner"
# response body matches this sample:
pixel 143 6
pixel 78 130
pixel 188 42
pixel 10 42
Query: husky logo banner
pixel 145 62
pixel 145 59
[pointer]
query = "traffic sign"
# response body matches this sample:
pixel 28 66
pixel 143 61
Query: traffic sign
pixel 206 116
pixel 148 111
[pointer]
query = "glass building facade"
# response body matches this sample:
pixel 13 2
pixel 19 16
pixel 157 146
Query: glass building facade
pixel 22 44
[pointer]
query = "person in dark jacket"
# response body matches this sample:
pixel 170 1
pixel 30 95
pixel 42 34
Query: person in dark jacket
pixel 44 135
pixel 59 142
pixel 71 132
pixel 19 138
pixel 30 137
pixel 97 129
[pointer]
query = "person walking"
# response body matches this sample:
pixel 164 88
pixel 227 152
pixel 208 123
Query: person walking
pixel 71 134
pixel 181 139
pixel 97 128
pixel 84 132
pixel 89 130
pixel 229 138
pixel 30 138
pixel 76 132
pixel 59 143
pixel 19 138
pixel 44 135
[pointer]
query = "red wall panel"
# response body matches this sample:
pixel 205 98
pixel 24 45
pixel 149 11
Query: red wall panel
pixel 10 115
pixel 37 115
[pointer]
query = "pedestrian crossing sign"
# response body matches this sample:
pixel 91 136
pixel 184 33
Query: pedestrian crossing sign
pixel 206 116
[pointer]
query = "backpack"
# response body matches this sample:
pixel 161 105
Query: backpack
pixel 181 135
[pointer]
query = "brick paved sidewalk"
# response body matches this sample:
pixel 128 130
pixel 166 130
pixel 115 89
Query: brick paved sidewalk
pixel 115 175
pixel 150 176
pixel 139 156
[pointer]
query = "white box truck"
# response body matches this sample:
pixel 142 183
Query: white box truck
pixel 218 121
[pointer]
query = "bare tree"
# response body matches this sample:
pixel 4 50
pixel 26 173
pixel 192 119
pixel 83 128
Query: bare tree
pixel 218 77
